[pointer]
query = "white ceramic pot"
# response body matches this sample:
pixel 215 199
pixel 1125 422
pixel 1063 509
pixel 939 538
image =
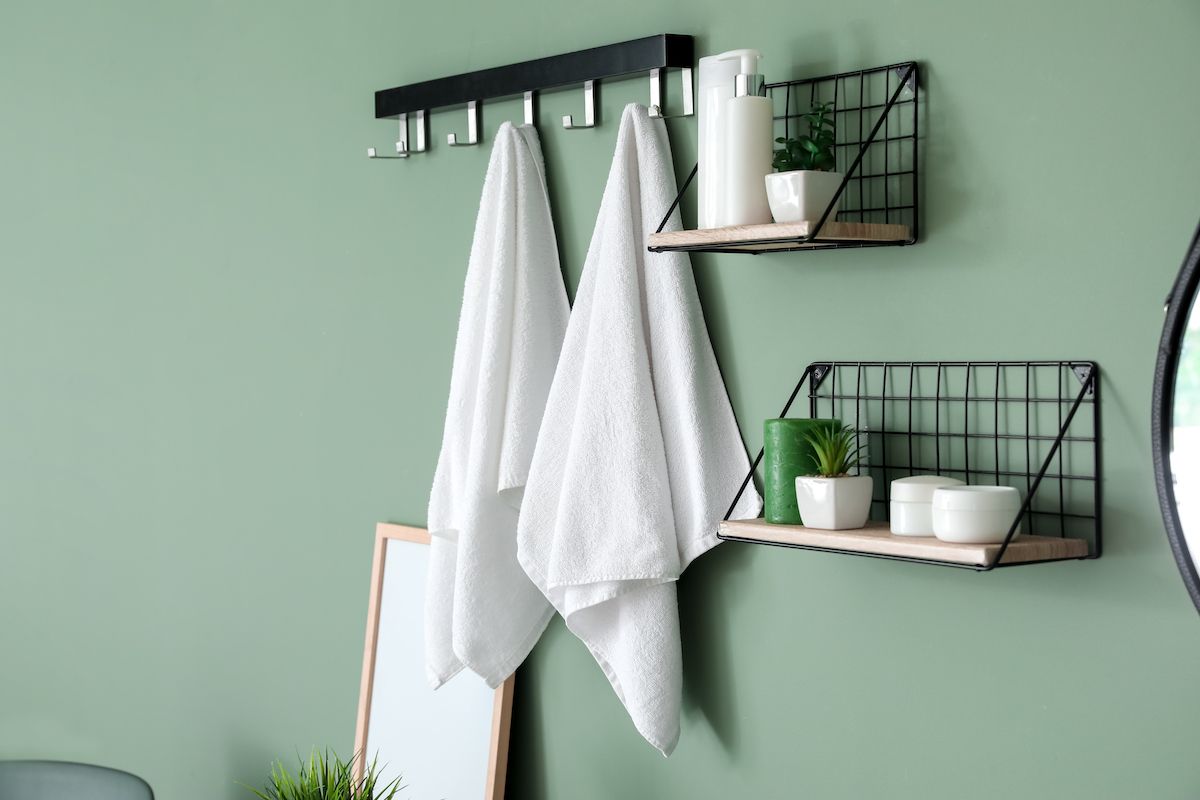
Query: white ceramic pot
pixel 802 194
pixel 834 504
pixel 974 514
pixel 911 508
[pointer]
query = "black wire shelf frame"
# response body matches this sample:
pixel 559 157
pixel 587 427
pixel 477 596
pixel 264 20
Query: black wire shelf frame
pixel 1012 423
pixel 882 135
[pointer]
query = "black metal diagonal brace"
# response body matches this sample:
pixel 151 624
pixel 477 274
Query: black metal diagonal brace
pixel 1084 391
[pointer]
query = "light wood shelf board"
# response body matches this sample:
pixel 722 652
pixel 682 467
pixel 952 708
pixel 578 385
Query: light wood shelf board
pixel 756 237
pixel 877 539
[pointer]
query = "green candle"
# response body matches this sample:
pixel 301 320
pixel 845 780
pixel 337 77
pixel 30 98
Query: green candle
pixel 787 455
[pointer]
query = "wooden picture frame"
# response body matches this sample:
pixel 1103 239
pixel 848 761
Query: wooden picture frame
pixel 497 765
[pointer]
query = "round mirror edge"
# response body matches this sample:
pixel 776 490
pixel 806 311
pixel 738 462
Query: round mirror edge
pixel 1179 306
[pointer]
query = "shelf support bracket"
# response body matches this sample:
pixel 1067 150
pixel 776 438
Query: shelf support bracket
pixel 1084 372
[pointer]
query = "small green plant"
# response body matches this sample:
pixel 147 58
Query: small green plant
pixel 326 777
pixel 813 151
pixel 834 449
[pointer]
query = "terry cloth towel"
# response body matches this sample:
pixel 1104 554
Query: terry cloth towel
pixel 639 452
pixel 481 610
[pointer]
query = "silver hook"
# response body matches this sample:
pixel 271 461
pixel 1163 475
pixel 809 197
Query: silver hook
pixel 530 109
pixel 402 148
pixel 401 142
pixel 422 134
pixel 472 127
pixel 589 108
pixel 689 98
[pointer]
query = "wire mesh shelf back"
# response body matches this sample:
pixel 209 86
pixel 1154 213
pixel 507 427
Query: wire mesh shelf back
pixel 884 186
pixel 1032 425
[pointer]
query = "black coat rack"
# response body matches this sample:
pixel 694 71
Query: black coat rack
pixel 652 54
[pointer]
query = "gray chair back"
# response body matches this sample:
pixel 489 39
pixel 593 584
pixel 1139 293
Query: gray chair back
pixel 64 780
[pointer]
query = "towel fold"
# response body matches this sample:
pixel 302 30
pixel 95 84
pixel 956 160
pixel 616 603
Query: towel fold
pixel 639 451
pixel 481 610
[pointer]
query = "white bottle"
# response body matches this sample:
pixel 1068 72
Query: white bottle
pixel 747 156
pixel 716 78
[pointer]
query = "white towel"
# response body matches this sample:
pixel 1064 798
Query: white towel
pixel 481 610
pixel 639 452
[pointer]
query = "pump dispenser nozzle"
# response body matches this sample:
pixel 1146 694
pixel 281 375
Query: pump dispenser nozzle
pixel 748 60
pixel 747 84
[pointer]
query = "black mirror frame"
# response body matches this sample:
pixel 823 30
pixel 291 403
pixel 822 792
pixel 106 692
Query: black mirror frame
pixel 1179 306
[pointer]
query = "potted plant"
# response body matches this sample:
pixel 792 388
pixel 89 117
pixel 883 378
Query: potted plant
pixel 327 777
pixel 805 183
pixel 833 499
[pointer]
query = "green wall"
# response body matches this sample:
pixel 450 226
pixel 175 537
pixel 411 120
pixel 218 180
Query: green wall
pixel 225 344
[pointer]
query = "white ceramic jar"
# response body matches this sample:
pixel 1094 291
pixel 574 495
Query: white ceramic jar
pixel 974 514
pixel 911 508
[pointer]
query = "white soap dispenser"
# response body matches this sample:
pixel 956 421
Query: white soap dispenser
pixel 747 156
pixel 716 89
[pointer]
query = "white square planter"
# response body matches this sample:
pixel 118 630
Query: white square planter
pixel 802 195
pixel 834 504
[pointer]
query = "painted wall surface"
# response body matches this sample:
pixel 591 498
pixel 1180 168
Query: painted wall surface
pixel 225 344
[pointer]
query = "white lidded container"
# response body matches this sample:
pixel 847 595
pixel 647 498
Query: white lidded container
pixel 911 508
pixel 974 514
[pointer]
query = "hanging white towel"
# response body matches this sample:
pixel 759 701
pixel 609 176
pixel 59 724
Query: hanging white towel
pixel 481 610
pixel 639 452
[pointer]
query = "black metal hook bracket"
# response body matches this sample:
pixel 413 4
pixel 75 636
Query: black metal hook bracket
pixel 663 51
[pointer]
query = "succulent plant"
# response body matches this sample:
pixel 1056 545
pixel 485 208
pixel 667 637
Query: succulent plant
pixel 813 151
pixel 835 449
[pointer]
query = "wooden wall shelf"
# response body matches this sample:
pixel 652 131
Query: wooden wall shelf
pixel 875 150
pixel 1030 425
pixel 877 540
pixel 780 236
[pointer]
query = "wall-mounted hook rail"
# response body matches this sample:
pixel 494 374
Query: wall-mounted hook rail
pixel 652 54
pixel 472 127
pixel 656 93
pixel 589 109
